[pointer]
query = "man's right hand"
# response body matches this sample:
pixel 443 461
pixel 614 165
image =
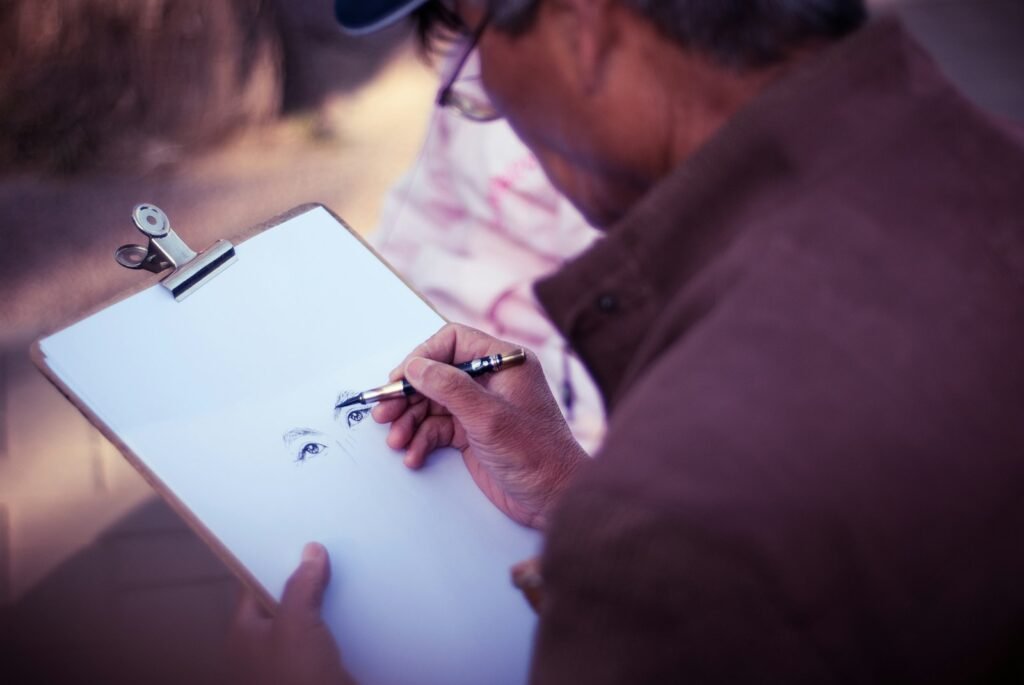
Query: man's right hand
pixel 512 436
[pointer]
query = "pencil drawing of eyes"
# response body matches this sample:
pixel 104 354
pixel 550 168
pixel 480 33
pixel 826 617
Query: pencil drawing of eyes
pixel 353 415
pixel 304 443
pixel 356 416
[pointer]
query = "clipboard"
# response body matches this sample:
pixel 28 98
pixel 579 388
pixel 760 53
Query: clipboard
pixel 217 383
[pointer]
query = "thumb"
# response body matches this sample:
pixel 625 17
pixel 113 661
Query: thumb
pixel 304 591
pixel 446 385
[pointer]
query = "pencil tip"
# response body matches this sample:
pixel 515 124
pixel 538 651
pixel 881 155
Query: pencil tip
pixel 355 399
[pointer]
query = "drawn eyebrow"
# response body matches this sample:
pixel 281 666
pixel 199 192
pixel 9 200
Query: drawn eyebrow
pixel 296 433
pixel 342 396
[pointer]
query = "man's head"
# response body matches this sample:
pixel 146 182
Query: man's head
pixel 611 95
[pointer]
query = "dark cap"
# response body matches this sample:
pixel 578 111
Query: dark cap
pixel 366 16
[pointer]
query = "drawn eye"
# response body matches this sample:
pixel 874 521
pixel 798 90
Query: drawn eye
pixel 310 449
pixel 356 416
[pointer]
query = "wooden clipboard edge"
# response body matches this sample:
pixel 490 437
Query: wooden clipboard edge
pixel 191 520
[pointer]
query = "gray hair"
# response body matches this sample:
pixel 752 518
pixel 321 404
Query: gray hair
pixel 737 33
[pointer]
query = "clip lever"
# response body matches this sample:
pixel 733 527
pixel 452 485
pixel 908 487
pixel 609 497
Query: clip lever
pixel 167 251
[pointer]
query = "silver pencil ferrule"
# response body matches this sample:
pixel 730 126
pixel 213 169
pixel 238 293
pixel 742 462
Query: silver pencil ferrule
pixel 386 392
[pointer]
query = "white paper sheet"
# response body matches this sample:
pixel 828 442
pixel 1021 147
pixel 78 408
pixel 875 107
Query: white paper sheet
pixel 228 397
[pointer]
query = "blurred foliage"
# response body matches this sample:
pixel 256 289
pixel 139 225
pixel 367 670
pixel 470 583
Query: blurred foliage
pixel 109 83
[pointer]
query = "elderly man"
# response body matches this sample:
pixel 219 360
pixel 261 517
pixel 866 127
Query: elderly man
pixel 806 322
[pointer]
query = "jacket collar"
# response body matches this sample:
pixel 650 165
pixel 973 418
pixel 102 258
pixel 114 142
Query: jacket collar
pixel 798 130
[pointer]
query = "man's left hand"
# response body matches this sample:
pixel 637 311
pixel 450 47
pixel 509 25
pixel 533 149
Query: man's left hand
pixel 294 647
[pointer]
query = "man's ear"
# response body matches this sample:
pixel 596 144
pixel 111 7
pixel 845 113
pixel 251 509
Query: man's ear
pixel 589 32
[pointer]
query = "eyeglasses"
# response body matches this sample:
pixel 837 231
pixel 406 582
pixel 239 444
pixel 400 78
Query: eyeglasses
pixel 464 92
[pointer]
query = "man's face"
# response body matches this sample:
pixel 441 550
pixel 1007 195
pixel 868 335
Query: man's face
pixel 534 80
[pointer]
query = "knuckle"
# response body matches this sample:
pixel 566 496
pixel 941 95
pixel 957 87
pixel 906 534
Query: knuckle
pixel 419 412
pixel 432 435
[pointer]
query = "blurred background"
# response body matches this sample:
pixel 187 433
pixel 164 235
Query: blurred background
pixel 224 113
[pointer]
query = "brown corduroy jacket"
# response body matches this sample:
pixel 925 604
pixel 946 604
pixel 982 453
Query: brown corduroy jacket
pixel 810 339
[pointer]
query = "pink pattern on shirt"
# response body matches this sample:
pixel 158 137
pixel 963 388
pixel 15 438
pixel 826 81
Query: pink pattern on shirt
pixel 472 226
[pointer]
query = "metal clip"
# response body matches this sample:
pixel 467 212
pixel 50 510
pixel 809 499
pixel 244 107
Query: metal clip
pixel 166 250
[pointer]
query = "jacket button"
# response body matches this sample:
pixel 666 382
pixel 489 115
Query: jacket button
pixel 607 303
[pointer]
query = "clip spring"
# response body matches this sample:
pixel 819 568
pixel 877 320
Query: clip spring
pixel 165 250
